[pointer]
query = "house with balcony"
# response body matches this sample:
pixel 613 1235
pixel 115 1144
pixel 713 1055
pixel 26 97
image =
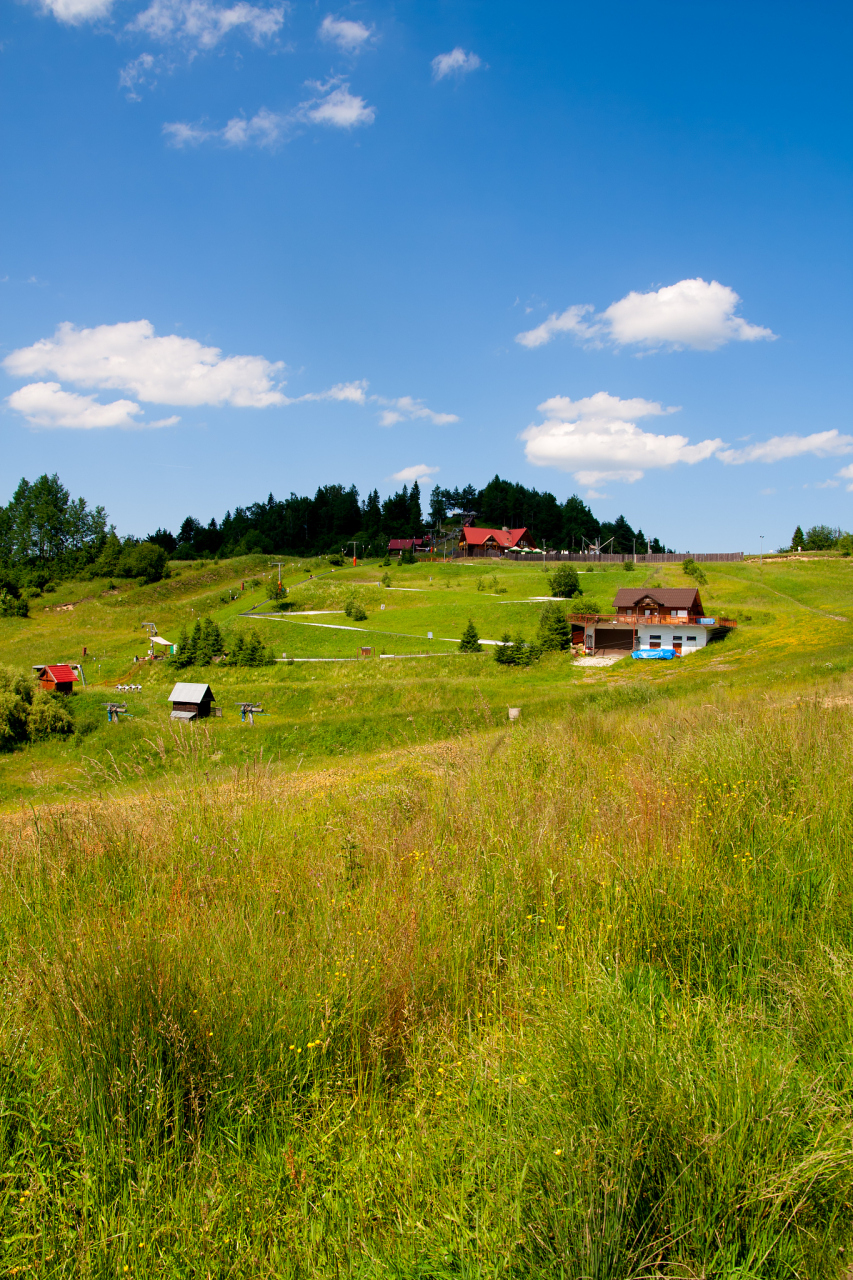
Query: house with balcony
pixel 649 618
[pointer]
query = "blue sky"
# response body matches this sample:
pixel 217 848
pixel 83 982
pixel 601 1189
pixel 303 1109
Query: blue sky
pixel 598 249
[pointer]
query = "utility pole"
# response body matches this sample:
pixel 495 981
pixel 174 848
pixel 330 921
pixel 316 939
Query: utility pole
pixel 761 553
pixel 352 542
pixel 277 563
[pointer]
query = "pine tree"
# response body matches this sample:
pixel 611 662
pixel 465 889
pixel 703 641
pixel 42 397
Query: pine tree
pixel 798 539
pixel 520 653
pixel 554 631
pixel 180 659
pixel 503 651
pixel 235 653
pixel 194 644
pixel 470 642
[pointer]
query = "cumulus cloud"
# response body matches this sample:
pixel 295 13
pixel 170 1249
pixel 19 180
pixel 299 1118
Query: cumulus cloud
pixel 45 404
pixel 349 36
pixel 404 407
pixel 823 444
pixel 161 370
pixel 457 62
pixel 846 473
pixel 409 474
pixel 340 108
pixel 691 313
pixel 334 106
pixel 202 25
pixel 597 439
pixel 74 12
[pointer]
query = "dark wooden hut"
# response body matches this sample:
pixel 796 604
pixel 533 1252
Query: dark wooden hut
pixel 191 701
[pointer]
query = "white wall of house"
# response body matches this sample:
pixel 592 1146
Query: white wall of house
pixel 689 637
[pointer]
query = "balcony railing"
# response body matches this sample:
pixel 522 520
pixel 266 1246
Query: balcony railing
pixel 653 620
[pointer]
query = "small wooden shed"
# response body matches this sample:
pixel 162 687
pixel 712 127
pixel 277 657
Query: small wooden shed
pixel 191 701
pixel 57 678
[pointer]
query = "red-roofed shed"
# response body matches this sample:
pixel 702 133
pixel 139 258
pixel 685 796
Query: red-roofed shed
pixel 57 678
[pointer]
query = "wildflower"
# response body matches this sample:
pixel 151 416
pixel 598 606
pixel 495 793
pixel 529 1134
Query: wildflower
pixel 559 1151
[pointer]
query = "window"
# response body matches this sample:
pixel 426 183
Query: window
pixel 677 639
pixel 654 637
pixel 691 639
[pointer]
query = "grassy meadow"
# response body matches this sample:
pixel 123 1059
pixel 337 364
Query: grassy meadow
pixel 385 986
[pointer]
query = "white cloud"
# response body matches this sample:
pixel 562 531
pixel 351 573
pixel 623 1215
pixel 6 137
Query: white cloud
pixel 336 107
pixel 691 313
pixel 73 12
pixel 823 484
pixel 162 370
pixel 597 440
pixel 347 35
pixel 846 473
pixel 341 109
pixel 141 73
pixel 45 404
pixel 419 472
pixel 404 407
pixel 354 392
pixel 823 444
pixel 202 25
pixel 457 62
pixel 570 321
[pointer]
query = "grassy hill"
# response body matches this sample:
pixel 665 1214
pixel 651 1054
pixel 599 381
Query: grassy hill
pixel 386 987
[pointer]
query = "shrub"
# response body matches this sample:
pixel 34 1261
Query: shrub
pixel 470 642
pixel 691 568
pixel 336 560
pixel 12 608
pixel 48 714
pixel 358 612
pixel 386 579
pixel 564 581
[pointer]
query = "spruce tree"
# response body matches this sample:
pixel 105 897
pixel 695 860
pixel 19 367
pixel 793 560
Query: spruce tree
pixel 798 539
pixel 554 631
pixel 470 642
pixel 235 653
pixel 503 651
pixel 520 654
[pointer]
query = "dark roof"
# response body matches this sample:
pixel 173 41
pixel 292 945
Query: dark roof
pixel 60 673
pixel 669 597
pixel 401 544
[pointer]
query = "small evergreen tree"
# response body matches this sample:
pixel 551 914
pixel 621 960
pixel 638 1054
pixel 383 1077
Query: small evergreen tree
pixel 470 642
pixel 521 653
pixel 503 651
pixel 798 539
pixel 554 631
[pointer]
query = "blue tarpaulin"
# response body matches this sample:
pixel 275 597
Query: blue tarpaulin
pixel 654 653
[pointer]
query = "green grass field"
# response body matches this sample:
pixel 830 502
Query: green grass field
pixel 385 986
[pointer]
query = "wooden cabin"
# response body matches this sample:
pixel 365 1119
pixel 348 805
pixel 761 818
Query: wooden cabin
pixel 473 540
pixel 59 677
pixel 191 701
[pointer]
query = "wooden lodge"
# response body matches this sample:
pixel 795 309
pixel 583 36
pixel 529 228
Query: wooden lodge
pixel 649 618
pixel 191 701
pixel 59 677
pixel 474 542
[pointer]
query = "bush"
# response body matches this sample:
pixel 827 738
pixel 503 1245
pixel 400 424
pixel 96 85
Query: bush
pixel 336 560
pixel 691 568
pixel 386 579
pixel 12 608
pixel 470 642
pixel 48 714
pixel 564 581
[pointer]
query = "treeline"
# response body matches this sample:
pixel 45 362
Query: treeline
pixel 337 515
pixel 47 536
pixel 821 537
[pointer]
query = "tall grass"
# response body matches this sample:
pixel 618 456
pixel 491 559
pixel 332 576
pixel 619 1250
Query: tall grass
pixel 573 1002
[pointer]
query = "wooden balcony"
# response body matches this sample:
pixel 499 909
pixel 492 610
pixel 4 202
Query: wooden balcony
pixel 651 620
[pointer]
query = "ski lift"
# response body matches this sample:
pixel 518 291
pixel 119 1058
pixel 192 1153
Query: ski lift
pixel 249 709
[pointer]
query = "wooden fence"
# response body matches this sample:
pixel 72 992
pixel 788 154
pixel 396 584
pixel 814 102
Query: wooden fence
pixel 589 557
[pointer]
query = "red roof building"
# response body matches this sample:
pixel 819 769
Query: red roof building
pixel 57 678
pixel 406 544
pixel 496 539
